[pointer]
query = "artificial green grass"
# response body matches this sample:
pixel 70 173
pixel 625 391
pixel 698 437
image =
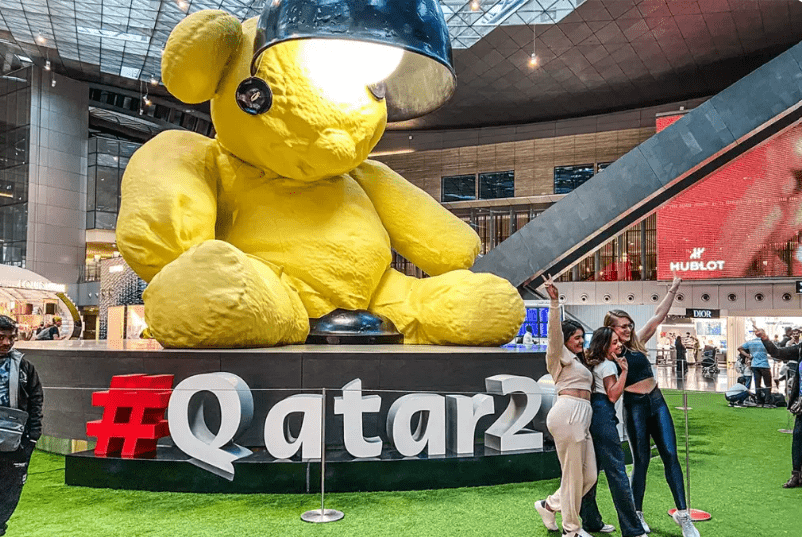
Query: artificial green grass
pixel 738 462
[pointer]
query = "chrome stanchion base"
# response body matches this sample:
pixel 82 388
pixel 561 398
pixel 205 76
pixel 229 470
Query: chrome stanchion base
pixel 697 515
pixel 321 516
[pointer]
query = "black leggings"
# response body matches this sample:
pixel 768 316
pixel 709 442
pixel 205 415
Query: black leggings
pixel 762 373
pixel 796 446
pixel 648 417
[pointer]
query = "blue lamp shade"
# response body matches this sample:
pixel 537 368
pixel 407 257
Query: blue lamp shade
pixel 425 78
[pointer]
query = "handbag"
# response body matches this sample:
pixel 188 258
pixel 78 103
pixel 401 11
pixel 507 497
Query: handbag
pixel 12 425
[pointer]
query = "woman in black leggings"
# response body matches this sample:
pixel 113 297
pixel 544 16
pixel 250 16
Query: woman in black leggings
pixel 647 413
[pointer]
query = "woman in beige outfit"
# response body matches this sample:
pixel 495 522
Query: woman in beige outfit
pixel 568 421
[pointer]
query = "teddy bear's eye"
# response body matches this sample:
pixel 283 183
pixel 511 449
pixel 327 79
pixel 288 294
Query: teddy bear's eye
pixel 379 90
pixel 254 96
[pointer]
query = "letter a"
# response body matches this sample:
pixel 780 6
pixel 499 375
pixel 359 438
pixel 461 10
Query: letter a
pixel 431 430
pixel 283 445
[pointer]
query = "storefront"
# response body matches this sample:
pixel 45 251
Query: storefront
pixel 32 300
pixel 699 329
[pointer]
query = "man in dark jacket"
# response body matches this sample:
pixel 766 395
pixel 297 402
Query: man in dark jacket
pixel 791 352
pixel 19 388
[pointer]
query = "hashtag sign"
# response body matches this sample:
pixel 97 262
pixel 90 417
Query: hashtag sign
pixel 133 415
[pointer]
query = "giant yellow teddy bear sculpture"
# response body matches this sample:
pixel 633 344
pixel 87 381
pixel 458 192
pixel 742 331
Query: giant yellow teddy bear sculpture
pixel 281 218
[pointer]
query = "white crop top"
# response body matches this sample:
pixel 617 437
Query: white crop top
pixel 602 371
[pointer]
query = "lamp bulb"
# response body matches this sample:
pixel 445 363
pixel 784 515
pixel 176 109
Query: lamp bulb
pixel 475 5
pixel 533 60
pixel 340 67
pixel 47 65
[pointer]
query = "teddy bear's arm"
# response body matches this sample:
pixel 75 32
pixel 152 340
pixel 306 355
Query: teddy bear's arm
pixel 420 229
pixel 169 200
pixel 198 53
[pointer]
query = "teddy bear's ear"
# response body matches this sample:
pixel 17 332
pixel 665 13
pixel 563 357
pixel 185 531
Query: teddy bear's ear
pixel 198 53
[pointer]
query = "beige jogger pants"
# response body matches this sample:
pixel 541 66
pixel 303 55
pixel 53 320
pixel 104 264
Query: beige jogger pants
pixel 569 424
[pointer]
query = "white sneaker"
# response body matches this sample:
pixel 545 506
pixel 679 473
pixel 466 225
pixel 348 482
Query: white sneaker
pixel 683 520
pixel 549 517
pixel 607 528
pixel 580 533
pixel 643 523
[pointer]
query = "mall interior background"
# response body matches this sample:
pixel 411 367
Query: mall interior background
pixel 67 132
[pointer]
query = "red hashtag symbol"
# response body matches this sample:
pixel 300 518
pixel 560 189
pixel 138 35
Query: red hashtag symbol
pixel 133 415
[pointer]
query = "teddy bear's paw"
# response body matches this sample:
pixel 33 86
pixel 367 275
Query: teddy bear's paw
pixel 455 308
pixel 214 295
pixel 464 308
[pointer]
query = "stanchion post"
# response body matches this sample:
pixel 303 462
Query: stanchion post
pixel 697 515
pixel 322 515
pixel 787 429
pixel 684 394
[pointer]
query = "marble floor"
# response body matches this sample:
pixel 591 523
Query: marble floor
pixel 695 382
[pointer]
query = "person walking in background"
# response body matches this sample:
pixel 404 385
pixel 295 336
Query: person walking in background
pixel 648 416
pixel 568 421
pixel 608 386
pixel 682 358
pixel 19 388
pixel 786 338
pixel 755 351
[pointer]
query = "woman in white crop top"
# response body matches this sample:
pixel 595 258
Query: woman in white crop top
pixel 568 421
pixel 602 357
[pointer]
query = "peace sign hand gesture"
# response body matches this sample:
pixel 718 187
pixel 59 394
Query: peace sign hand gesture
pixel 551 289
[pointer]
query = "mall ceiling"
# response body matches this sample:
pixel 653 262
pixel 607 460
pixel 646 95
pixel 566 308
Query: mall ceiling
pixel 594 56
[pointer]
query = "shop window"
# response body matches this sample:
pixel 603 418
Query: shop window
pixel 106 189
pixel 107 161
pixel 458 188
pixel 567 178
pixel 497 185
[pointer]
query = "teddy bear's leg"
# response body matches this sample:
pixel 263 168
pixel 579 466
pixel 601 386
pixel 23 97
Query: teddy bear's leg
pixel 214 295
pixel 455 308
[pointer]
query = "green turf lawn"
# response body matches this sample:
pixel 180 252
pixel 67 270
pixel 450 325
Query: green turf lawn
pixel 738 462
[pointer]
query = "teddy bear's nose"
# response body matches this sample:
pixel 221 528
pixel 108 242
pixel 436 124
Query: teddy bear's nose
pixel 334 147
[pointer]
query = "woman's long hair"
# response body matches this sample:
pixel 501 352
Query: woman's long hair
pixel 599 343
pixel 633 343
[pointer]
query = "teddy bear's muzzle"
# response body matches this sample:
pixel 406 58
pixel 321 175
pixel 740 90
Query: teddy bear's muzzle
pixel 333 152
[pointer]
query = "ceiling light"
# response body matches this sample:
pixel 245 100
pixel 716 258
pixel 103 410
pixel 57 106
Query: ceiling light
pixel 47 65
pixel 147 101
pixel 475 5
pixel 52 82
pixel 533 60
pixel 153 81
pixel 182 5
pixel 41 39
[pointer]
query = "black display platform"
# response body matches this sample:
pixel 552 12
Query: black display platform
pixel 72 370
pixel 171 471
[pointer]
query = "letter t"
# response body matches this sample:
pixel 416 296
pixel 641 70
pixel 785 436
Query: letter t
pixel 351 405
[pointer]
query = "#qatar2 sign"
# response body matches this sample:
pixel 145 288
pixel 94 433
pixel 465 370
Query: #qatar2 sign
pixel 416 422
